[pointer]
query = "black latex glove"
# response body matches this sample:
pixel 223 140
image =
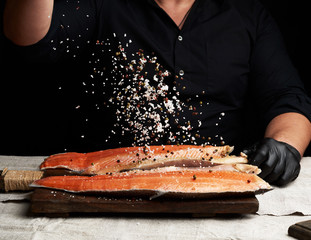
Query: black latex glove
pixel 278 161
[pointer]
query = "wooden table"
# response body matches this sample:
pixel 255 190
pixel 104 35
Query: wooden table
pixel 278 210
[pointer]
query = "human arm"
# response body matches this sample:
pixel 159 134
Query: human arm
pixel 27 22
pixel 65 33
pixel 279 153
pixel 284 107
pixel 292 128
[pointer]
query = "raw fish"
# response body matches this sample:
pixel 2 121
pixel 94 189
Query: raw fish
pixel 129 158
pixel 168 181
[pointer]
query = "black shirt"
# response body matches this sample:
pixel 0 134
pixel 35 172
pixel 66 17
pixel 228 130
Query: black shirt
pixel 218 80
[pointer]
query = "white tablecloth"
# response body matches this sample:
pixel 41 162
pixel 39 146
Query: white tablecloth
pixel 278 210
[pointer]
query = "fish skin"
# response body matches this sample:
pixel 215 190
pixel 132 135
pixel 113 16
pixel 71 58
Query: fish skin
pixel 120 159
pixel 183 182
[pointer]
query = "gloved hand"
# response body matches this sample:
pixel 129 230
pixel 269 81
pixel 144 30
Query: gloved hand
pixel 278 161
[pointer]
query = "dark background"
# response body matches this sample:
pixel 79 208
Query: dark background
pixel 31 119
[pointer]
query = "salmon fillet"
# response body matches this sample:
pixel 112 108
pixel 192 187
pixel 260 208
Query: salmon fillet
pixel 128 158
pixel 168 181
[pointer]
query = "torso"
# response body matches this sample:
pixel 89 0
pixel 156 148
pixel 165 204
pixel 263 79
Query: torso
pixel 178 12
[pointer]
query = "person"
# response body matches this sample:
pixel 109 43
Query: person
pixel 174 72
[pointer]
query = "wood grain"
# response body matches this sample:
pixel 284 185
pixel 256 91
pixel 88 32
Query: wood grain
pixel 301 230
pixel 52 202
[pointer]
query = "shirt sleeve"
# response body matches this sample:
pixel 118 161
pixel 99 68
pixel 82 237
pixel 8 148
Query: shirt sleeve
pixel 72 27
pixel 275 84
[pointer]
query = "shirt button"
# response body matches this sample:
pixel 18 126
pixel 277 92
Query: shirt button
pixel 181 72
pixel 180 38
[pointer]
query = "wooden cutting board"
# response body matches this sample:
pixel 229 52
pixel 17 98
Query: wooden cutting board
pixel 59 203
pixel 301 230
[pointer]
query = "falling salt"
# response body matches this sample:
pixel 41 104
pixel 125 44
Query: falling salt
pixel 144 104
